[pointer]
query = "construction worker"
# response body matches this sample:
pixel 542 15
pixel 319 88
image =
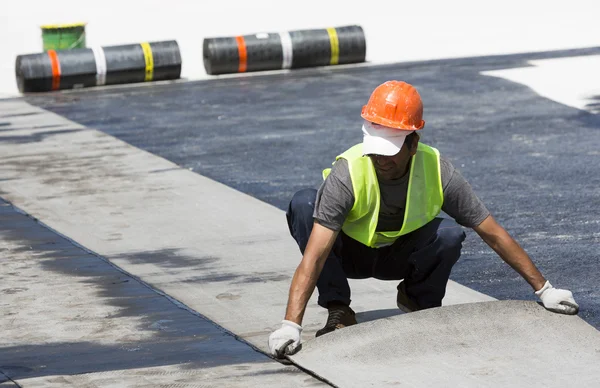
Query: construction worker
pixel 376 215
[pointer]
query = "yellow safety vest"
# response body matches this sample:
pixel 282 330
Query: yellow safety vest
pixel 423 201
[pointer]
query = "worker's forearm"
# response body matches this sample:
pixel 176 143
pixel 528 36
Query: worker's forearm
pixel 512 253
pixel 301 289
pixel 305 278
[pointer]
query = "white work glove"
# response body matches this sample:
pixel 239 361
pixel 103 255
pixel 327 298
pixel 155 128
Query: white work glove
pixel 286 340
pixel 557 300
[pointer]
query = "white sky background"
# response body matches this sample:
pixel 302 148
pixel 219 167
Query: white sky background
pixel 396 31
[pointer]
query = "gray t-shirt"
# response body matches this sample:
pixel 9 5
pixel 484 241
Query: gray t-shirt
pixel 335 198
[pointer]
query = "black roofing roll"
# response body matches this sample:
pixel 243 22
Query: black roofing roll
pixel 67 69
pixel 285 50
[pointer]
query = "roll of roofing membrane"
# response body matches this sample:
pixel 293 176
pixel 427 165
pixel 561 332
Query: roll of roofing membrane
pixel 67 69
pixel 284 50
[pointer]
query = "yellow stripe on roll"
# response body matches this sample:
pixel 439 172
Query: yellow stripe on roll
pixel 335 46
pixel 149 61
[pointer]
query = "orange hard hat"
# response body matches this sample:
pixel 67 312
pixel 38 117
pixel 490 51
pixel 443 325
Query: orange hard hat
pixel 395 104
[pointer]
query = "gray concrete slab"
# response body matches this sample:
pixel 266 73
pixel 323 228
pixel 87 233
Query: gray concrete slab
pixel 6 382
pixel 216 250
pixel 492 344
pixel 69 318
pixel 533 161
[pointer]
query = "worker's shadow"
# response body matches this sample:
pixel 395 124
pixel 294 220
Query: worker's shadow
pixel 372 315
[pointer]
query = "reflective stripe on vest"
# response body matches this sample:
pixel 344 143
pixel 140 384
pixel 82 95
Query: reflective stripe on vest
pixel 423 201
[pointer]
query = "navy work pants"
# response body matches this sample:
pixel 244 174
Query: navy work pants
pixel 423 258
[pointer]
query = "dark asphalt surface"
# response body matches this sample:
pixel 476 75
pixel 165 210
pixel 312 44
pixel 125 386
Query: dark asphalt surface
pixel 534 162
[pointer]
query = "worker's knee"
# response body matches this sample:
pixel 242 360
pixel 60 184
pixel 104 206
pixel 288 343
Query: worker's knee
pixel 451 236
pixel 303 203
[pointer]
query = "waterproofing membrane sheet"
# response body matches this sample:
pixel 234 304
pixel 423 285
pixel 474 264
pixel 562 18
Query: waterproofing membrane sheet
pixel 491 344
pixel 70 319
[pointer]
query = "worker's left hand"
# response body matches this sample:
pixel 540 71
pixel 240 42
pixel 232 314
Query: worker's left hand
pixel 557 300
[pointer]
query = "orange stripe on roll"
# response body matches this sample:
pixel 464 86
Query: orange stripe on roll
pixel 242 54
pixel 55 69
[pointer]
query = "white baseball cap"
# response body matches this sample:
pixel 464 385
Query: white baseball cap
pixel 381 140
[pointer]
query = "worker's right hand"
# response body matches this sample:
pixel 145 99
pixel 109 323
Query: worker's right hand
pixel 285 340
pixel 557 300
